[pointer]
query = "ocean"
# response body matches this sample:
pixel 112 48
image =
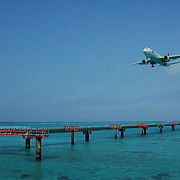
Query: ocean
pixel 155 156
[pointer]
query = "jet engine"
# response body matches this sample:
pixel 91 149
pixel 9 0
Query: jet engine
pixel 144 62
pixel 166 58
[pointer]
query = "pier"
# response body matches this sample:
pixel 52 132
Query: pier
pixel 38 134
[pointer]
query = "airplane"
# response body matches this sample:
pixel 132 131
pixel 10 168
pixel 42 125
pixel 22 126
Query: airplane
pixel 153 58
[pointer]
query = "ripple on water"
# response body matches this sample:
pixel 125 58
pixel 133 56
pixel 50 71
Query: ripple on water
pixel 24 176
pixel 63 178
pixel 161 176
pixel 138 152
pixel 16 171
pixel 176 140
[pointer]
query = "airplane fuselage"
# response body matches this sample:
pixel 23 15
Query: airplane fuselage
pixel 153 56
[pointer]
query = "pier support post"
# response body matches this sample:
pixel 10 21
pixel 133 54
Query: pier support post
pixel 38 148
pixel 143 131
pixel 72 137
pixel 87 137
pixel 115 133
pixel 86 133
pixel 173 127
pixel 160 129
pixel 122 132
pixel 28 142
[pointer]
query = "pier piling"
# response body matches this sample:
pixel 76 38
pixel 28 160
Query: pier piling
pixel 87 137
pixel 173 127
pixel 27 143
pixel 72 137
pixel 115 133
pixel 143 131
pixel 122 132
pixel 86 133
pixel 38 148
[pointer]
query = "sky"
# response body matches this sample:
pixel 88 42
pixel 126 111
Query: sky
pixel 71 60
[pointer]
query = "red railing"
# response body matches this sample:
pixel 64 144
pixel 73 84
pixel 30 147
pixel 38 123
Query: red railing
pixel 71 128
pixel 24 132
pixel 115 126
pixel 160 124
pixel 142 125
pixel 173 124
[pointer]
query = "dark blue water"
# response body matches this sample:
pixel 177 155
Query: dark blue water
pixel 135 157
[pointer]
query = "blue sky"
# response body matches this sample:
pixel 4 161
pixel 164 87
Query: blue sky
pixel 72 60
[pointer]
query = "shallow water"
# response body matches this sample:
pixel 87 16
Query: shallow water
pixel 155 156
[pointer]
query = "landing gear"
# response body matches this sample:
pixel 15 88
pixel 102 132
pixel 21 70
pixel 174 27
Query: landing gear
pixel 152 64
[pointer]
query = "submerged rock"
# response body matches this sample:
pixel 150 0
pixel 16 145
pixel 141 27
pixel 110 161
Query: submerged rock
pixel 63 178
pixel 160 176
pixel 23 176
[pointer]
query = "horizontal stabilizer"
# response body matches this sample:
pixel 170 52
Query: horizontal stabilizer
pixel 173 63
pixel 140 63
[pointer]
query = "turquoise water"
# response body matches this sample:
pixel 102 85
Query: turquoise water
pixel 153 157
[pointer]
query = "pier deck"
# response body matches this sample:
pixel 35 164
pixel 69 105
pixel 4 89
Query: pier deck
pixel 38 134
pixel 107 127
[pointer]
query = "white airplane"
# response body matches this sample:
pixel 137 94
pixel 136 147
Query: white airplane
pixel 153 58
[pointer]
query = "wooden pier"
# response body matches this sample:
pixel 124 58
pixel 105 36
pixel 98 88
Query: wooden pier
pixel 38 134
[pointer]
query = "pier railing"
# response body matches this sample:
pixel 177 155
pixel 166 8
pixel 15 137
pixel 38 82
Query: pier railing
pixel 24 132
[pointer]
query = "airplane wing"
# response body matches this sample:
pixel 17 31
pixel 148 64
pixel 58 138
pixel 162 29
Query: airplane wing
pixel 143 62
pixel 162 58
pixel 174 57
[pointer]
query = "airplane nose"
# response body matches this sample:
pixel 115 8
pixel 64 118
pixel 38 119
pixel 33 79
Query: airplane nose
pixel 145 49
